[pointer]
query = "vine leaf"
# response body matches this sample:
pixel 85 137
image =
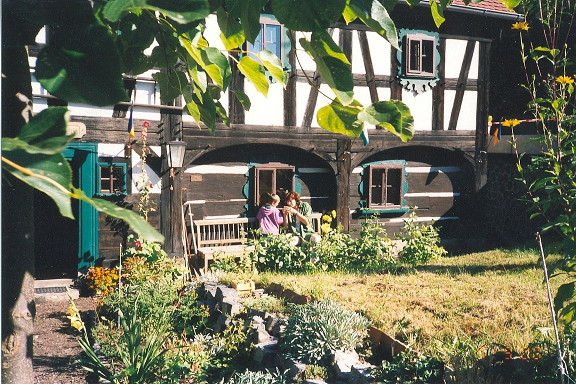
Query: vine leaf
pixel 341 119
pixel 332 64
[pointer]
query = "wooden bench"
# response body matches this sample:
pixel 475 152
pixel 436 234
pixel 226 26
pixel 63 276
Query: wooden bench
pixel 226 236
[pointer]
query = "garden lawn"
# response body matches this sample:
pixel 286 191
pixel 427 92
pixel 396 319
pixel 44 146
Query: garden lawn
pixel 482 298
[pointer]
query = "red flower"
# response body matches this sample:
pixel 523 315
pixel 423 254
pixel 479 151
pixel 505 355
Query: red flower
pixel 138 245
pixel 146 124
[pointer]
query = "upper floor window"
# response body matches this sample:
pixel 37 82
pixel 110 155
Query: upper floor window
pixel 112 178
pixel 271 178
pixel 420 58
pixel 272 37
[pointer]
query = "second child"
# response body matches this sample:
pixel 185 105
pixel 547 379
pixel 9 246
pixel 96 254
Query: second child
pixel 269 217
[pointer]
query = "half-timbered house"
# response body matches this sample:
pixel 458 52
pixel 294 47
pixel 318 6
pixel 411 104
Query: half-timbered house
pixel 443 75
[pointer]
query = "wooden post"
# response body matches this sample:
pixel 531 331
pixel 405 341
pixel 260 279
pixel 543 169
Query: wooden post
pixel 482 105
pixel 171 193
pixel 343 171
pixel 290 91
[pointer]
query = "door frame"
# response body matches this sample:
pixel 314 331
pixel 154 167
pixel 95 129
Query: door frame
pixel 87 214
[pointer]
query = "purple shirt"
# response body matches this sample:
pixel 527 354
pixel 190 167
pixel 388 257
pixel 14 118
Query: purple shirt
pixel 270 218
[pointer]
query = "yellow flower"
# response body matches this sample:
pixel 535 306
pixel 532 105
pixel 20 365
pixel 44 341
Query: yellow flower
pixel 564 80
pixel 327 218
pixel 75 319
pixel 521 25
pixel 333 213
pixel 325 227
pixel 511 122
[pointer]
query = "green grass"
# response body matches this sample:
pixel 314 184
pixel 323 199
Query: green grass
pixel 496 296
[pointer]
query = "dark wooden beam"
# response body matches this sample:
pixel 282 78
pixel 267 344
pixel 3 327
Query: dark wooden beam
pixel 368 66
pixel 312 96
pixel 171 192
pixel 395 86
pixel 236 110
pixel 461 87
pixel 438 91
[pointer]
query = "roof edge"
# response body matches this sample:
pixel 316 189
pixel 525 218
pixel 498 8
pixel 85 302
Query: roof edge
pixel 473 10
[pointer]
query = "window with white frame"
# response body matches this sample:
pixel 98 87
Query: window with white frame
pixel 419 54
pixel 271 178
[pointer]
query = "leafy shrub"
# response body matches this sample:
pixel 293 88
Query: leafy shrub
pixel 421 243
pixel 147 249
pixel 275 253
pixel 249 377
pixel 332 252
pixel 409 368
pixel 317 329
pixel 373 251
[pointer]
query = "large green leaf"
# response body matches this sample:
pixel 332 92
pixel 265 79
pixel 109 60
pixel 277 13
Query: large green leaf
pixel 50 174
pixel 568 313
pixel 231 32
pixel 45 133
pixel 134 220
pixel 249 13
pixel 75 71
pixel 511 4
pixel 211 60
pixel 392 115
pixel 198 77
pixel 133 35
pixel 341 119
pixel 566 292
pixel 202 109
pixel 437 13
pixel 349 15
pixel 332 64
pixel 374 15
pixel 181 11
pixel 306 15
pixel 242 98
pixel 255 73
pixel 171 85
pixel 273 65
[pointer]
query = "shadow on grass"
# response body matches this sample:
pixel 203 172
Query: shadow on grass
pixel 476 269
